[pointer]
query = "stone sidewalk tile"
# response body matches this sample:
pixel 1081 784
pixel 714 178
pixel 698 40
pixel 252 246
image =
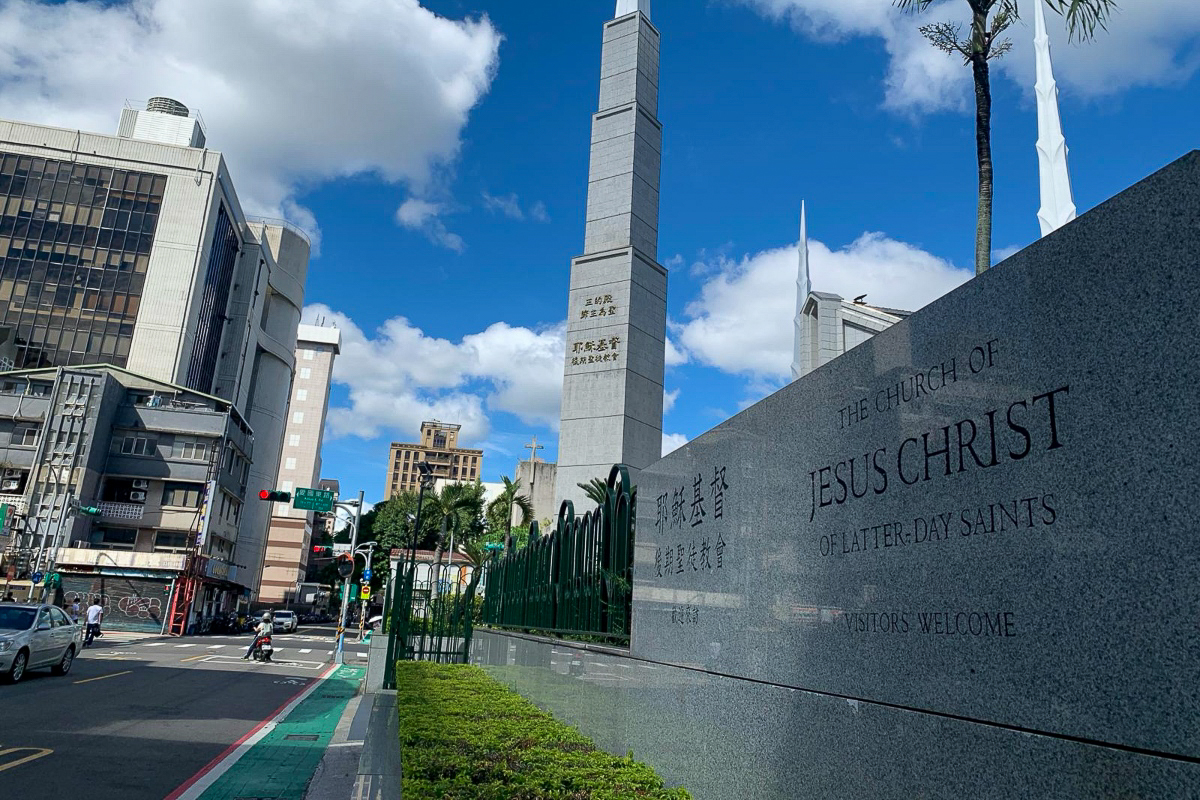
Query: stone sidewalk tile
pixel 282 763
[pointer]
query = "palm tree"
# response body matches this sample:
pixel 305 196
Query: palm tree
pixel 989 20
pixel 500 510
pixel 596 490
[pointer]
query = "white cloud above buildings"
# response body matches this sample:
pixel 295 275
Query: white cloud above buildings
pixel 1147 44
pixel 510 206
pixel 397 376
pixel 306 91
pixel 424 216
pixel 741 322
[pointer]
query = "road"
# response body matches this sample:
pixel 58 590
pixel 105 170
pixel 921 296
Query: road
pixel 137 717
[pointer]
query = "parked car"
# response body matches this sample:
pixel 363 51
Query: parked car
pixel 285 621
pixel 34 636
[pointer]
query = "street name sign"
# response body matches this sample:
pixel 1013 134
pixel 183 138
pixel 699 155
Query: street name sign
pixel 313 500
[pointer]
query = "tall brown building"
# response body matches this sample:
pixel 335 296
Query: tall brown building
pixel 438 448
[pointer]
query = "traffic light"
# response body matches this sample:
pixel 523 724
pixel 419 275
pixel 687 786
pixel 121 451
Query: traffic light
pixel 275 495
pixel 320 550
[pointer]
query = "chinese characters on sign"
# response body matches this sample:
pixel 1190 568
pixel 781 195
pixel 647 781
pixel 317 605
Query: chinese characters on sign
pixel 685 615
pixel 676 511
pixel 599 306
pixel 595 351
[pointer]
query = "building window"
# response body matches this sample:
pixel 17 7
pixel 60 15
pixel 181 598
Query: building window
pixel 294 440
pixel 298 417
pixel 24 436
pixel 305 373
pixel 75 245
pixel 302 395
pixel 139 446
pixel 289 463
pixel 218 278
pixel 171 541
pixel 306 354
pixel 189 449
pixel 182 495
pixel 114 538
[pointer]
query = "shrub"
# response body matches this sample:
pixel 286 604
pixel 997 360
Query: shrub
pixel 466 737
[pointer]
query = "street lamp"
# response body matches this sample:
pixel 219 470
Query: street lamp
pixel 356 505
pixel 426 479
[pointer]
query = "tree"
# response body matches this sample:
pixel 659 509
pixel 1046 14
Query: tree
pixel 989 20
pixel 500 510
pixel 596 490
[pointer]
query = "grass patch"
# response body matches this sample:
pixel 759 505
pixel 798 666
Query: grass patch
pixel 466 737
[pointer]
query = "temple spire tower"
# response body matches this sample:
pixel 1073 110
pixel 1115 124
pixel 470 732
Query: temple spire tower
pixel 1058 206
pixel 803 287
pixel 612 402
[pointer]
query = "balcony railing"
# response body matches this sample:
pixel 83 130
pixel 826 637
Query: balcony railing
pixel 89 557
pixel 122 510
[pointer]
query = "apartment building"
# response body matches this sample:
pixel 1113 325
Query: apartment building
pixel 438 448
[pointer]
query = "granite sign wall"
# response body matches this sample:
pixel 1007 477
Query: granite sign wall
pixel 978 525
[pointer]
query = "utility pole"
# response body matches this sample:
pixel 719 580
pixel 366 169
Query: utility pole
pixel 339 655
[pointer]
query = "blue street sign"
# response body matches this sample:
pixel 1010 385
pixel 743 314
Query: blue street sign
pixel 366 576
pixel 37 577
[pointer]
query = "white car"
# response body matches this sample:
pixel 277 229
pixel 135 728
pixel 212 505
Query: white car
pixel 34 636
pixel 284 621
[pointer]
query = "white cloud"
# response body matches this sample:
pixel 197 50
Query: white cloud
pixel 742 322
pixel 424 216
pixel 398 376
pixel 672 442
pixel 1147 44
pixel 1001 253
pixel 673 355
pixel 292 93
pixel 510 206
pixel 669 399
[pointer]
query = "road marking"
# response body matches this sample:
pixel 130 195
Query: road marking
pixel 156 644
pixel 215 646
pixel 193 658
pixel 102 677
pixel 185 645
pixel 306 650
pixel 36 753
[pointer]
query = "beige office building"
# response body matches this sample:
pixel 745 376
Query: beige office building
pixel 438 448
pixel 289 538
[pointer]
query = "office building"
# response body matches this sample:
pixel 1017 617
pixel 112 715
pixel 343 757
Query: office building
pixel 289 540
pixel 133 250
pixel 438 448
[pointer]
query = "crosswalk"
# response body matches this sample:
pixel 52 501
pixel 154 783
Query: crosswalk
pixel 187 645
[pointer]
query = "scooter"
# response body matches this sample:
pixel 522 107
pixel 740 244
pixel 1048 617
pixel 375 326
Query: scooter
pixel 263 649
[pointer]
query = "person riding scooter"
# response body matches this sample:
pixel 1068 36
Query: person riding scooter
pixel 264 630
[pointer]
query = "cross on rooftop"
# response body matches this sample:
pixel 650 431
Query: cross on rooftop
pixel 533 447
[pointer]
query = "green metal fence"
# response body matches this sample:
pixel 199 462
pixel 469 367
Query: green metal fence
pixel 575 582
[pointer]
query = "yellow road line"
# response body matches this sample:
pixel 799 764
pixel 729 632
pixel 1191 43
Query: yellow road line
pixel 37 752
pixel 194 658
pixel 102 677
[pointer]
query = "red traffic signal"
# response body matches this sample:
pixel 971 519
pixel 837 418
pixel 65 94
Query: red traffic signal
pixel 321 549
pixel 275 495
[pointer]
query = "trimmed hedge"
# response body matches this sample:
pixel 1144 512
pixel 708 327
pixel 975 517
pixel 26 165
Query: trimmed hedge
pixel 466 737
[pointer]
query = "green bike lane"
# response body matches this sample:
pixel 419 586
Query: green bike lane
pixel 278 760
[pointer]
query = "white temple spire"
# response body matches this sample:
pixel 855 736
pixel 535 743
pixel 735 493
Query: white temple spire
pixel 629 6
pixel 1058 206
pixel 803 288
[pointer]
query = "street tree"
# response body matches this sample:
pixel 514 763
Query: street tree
pixel 985 42
pixel 500 510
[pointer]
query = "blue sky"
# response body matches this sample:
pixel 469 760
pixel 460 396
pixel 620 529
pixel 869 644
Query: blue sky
pixel 439 154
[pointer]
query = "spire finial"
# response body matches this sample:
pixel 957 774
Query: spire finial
pixel 1058 206
pixel 629 6
pixel 803 288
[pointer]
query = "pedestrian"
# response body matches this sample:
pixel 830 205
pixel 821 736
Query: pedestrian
pixel 73 612
pixel 8 598
pixel 95 613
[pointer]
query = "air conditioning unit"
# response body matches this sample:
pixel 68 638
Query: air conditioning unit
pixel 10 486
pixel 13 473
pixel 141 484
pixel 137 497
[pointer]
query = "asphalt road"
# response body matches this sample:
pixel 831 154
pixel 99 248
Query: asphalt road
pixel 135 718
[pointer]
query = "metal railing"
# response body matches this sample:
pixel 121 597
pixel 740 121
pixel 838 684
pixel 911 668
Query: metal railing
pixel 576 582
